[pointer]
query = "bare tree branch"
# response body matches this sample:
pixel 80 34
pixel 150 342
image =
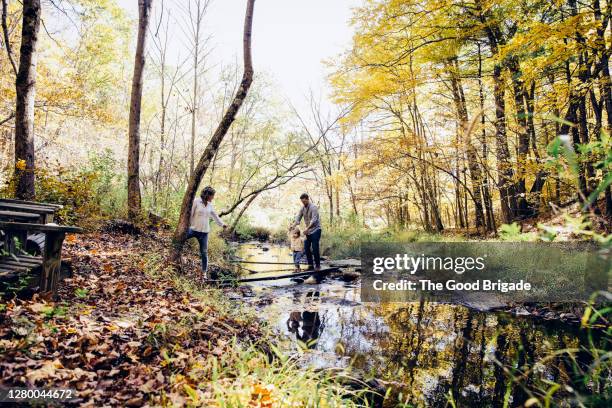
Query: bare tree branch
pixel 7 42
pixel 8 118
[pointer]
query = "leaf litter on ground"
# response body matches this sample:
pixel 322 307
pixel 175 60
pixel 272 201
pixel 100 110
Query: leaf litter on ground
pixel 116 334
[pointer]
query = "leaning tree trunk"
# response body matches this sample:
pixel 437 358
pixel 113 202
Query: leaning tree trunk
pixel 134 199
pixel 25 86
pixel 180 234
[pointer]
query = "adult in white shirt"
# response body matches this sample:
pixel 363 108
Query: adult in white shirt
pixel 199 227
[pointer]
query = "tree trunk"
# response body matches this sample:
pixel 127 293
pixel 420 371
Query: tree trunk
pixel 433 204
pixel 25 86
pixel 330 199
pixel 194 108
pixel 584 62
pixel 504 167
pixel 523 207
pixel 180 233
pixel 486 194
pixel 464 129
pixel 134 199
pixel 605 84
pixel 162 129
pixel 352 195
pixel 338 202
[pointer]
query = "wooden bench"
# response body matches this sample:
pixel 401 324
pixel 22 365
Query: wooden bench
pixel 15 201
pixel 31 221
pixel 46 214
pixel 18 216
pixel 28 211
pixel 22 238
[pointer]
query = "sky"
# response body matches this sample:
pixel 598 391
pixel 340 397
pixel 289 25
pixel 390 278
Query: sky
pixel 291 38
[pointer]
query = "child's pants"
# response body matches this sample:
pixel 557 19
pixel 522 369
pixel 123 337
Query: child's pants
pixel 297 256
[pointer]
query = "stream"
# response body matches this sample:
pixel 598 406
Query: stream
pixel 426 351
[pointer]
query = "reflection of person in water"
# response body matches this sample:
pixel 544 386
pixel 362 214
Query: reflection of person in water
pixel 310 322
pixel 311 327
pixel 293 323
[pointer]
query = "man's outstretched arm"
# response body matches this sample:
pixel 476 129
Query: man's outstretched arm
pixel 298 217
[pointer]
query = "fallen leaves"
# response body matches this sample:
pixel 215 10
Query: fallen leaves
pixel 49 369
pixel 262 396
pixel 116 335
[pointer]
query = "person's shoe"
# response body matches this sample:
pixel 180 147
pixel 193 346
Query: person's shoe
pixel 310 268
pixel 317 268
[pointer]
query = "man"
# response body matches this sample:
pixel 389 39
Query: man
pixel 310 213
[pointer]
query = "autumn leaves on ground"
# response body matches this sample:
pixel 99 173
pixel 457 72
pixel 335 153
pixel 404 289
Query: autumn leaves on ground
pixel 121 332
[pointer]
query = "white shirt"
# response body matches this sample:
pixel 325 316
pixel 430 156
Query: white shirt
pixel 201 215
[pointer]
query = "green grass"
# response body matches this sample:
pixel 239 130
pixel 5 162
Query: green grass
pixel 246 375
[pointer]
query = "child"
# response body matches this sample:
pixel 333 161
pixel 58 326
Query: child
pixel 296 243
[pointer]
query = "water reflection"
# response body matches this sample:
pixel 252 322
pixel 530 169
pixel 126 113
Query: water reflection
pixel 432 353
pixel 306 324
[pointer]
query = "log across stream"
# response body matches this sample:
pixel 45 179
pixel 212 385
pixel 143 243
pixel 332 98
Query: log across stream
pixel 320 273
pixel 337 330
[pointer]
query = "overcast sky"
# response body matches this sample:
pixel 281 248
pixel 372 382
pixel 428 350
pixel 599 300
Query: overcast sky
pixel 290 38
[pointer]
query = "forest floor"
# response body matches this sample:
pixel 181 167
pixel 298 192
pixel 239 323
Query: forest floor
pixel 118 333
pixel 124 330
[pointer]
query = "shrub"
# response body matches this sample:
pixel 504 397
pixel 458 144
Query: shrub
pixel 345 242
pixel 108 186
pixel 245 232
pixel 87 194
pixel 166 203
pixel 279 236
pixel 73 190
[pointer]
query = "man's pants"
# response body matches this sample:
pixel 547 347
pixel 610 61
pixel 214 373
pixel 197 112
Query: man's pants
pixel 202 238
pixel 311 245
